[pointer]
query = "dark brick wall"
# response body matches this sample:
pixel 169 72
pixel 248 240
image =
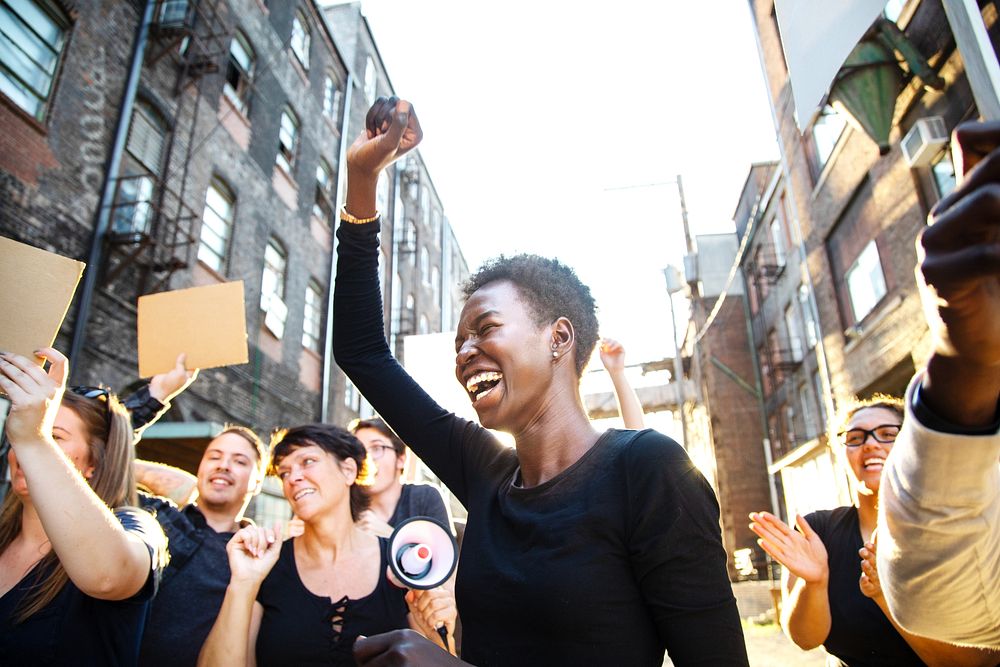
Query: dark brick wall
pixel 50 180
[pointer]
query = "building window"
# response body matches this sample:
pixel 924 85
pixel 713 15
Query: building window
pixel 865 282
pixel 31 41
pixel 809 420
pixel 288 141
pixel 826 132
pixel 301 40
pixel 812 331
pixel 133 207
pixel 371 80
pixel 425 265
pixel 425 206
pixel 436 226
pixel 323 206
pixel 239 73
pixel 272 287
pixel 943 172
pixel 216 226
pixel 312 318
pixel 794 329
pixel 425 327
pixel 436 283
pixel 331 99
pixel 778 241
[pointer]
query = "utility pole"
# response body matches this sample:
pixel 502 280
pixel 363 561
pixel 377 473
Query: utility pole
pixel 977 53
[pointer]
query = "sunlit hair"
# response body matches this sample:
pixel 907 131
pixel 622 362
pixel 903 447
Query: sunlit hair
pixel 551 289
pixel 377 424
pixel 333 440
pixel 109 444
pixel 856 405
pixel 259 448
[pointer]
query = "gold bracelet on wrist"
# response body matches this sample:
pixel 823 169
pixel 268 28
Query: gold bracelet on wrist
pixel 348 218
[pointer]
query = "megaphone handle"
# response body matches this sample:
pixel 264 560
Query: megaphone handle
pixel 443 631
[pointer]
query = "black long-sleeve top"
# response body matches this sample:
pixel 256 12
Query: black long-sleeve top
pixel 613 561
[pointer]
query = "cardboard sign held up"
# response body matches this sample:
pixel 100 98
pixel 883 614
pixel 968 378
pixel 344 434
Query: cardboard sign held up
pixel 36 288
pixel 208 323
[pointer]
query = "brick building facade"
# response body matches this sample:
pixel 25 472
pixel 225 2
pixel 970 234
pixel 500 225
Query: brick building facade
pixel 229 117
pixel 850 217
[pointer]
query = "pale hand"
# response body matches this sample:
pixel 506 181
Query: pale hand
pixel 252 553
pixel 165 386
pixel 612 355
pixel 431 609
pixel 35 395
pixel 371 523
pixel 869 583
pixel 801 551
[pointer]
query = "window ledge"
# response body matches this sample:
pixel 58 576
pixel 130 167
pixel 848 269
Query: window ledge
pixel 298 67
pixel 870 322
pixel 35 124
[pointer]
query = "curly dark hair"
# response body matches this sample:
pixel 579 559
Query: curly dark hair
pixel 333 440
pixel 551 289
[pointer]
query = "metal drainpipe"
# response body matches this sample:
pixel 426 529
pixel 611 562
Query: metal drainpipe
pixel 324 410
pixel 103 216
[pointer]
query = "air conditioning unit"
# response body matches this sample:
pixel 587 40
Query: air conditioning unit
pixel 924 141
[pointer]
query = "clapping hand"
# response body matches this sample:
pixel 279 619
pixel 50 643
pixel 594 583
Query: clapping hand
pixel 801 551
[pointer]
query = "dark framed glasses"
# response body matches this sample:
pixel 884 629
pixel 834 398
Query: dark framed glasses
pixel 855 437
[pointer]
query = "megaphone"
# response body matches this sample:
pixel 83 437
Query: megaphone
pixel 422 553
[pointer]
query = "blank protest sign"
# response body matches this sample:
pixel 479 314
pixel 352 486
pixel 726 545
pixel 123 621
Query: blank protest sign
pixel 37 288
pixel 207 323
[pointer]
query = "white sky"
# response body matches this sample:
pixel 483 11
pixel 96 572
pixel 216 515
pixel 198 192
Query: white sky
pixel 533 110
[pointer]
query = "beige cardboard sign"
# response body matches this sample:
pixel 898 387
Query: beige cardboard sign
pixel 36 288
pixel 208 323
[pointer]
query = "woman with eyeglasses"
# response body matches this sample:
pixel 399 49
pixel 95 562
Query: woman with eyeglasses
pixel 832 593
pixel 78 563
pixel 393 501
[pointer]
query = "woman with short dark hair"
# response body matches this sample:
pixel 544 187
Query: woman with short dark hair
pixel 581 548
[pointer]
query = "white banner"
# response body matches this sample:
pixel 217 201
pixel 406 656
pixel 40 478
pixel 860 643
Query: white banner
pixel 817 36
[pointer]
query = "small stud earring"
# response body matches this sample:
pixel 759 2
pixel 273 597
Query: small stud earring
pixel 554 354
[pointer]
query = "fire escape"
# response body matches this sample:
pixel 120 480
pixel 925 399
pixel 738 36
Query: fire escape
pixel 154 224
pixel 777 361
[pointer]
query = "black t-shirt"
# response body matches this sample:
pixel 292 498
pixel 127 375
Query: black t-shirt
pixel 614 560
pixel 302 628
pixel 860 634
pixel 192 587
pixel 76 629
pixel 420 500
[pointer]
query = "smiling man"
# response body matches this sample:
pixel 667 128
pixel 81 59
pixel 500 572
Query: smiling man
pixel 194 583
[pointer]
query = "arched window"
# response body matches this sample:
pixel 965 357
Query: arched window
pixel 239 72
pixel 301 39
pixel 371 80
pixel 216 225
pixel 323 205
pixel 312 317
pixel 331 98
pixel 288 141
pixel 272 287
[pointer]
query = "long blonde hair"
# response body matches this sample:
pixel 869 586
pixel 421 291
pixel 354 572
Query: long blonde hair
pixel 113 481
